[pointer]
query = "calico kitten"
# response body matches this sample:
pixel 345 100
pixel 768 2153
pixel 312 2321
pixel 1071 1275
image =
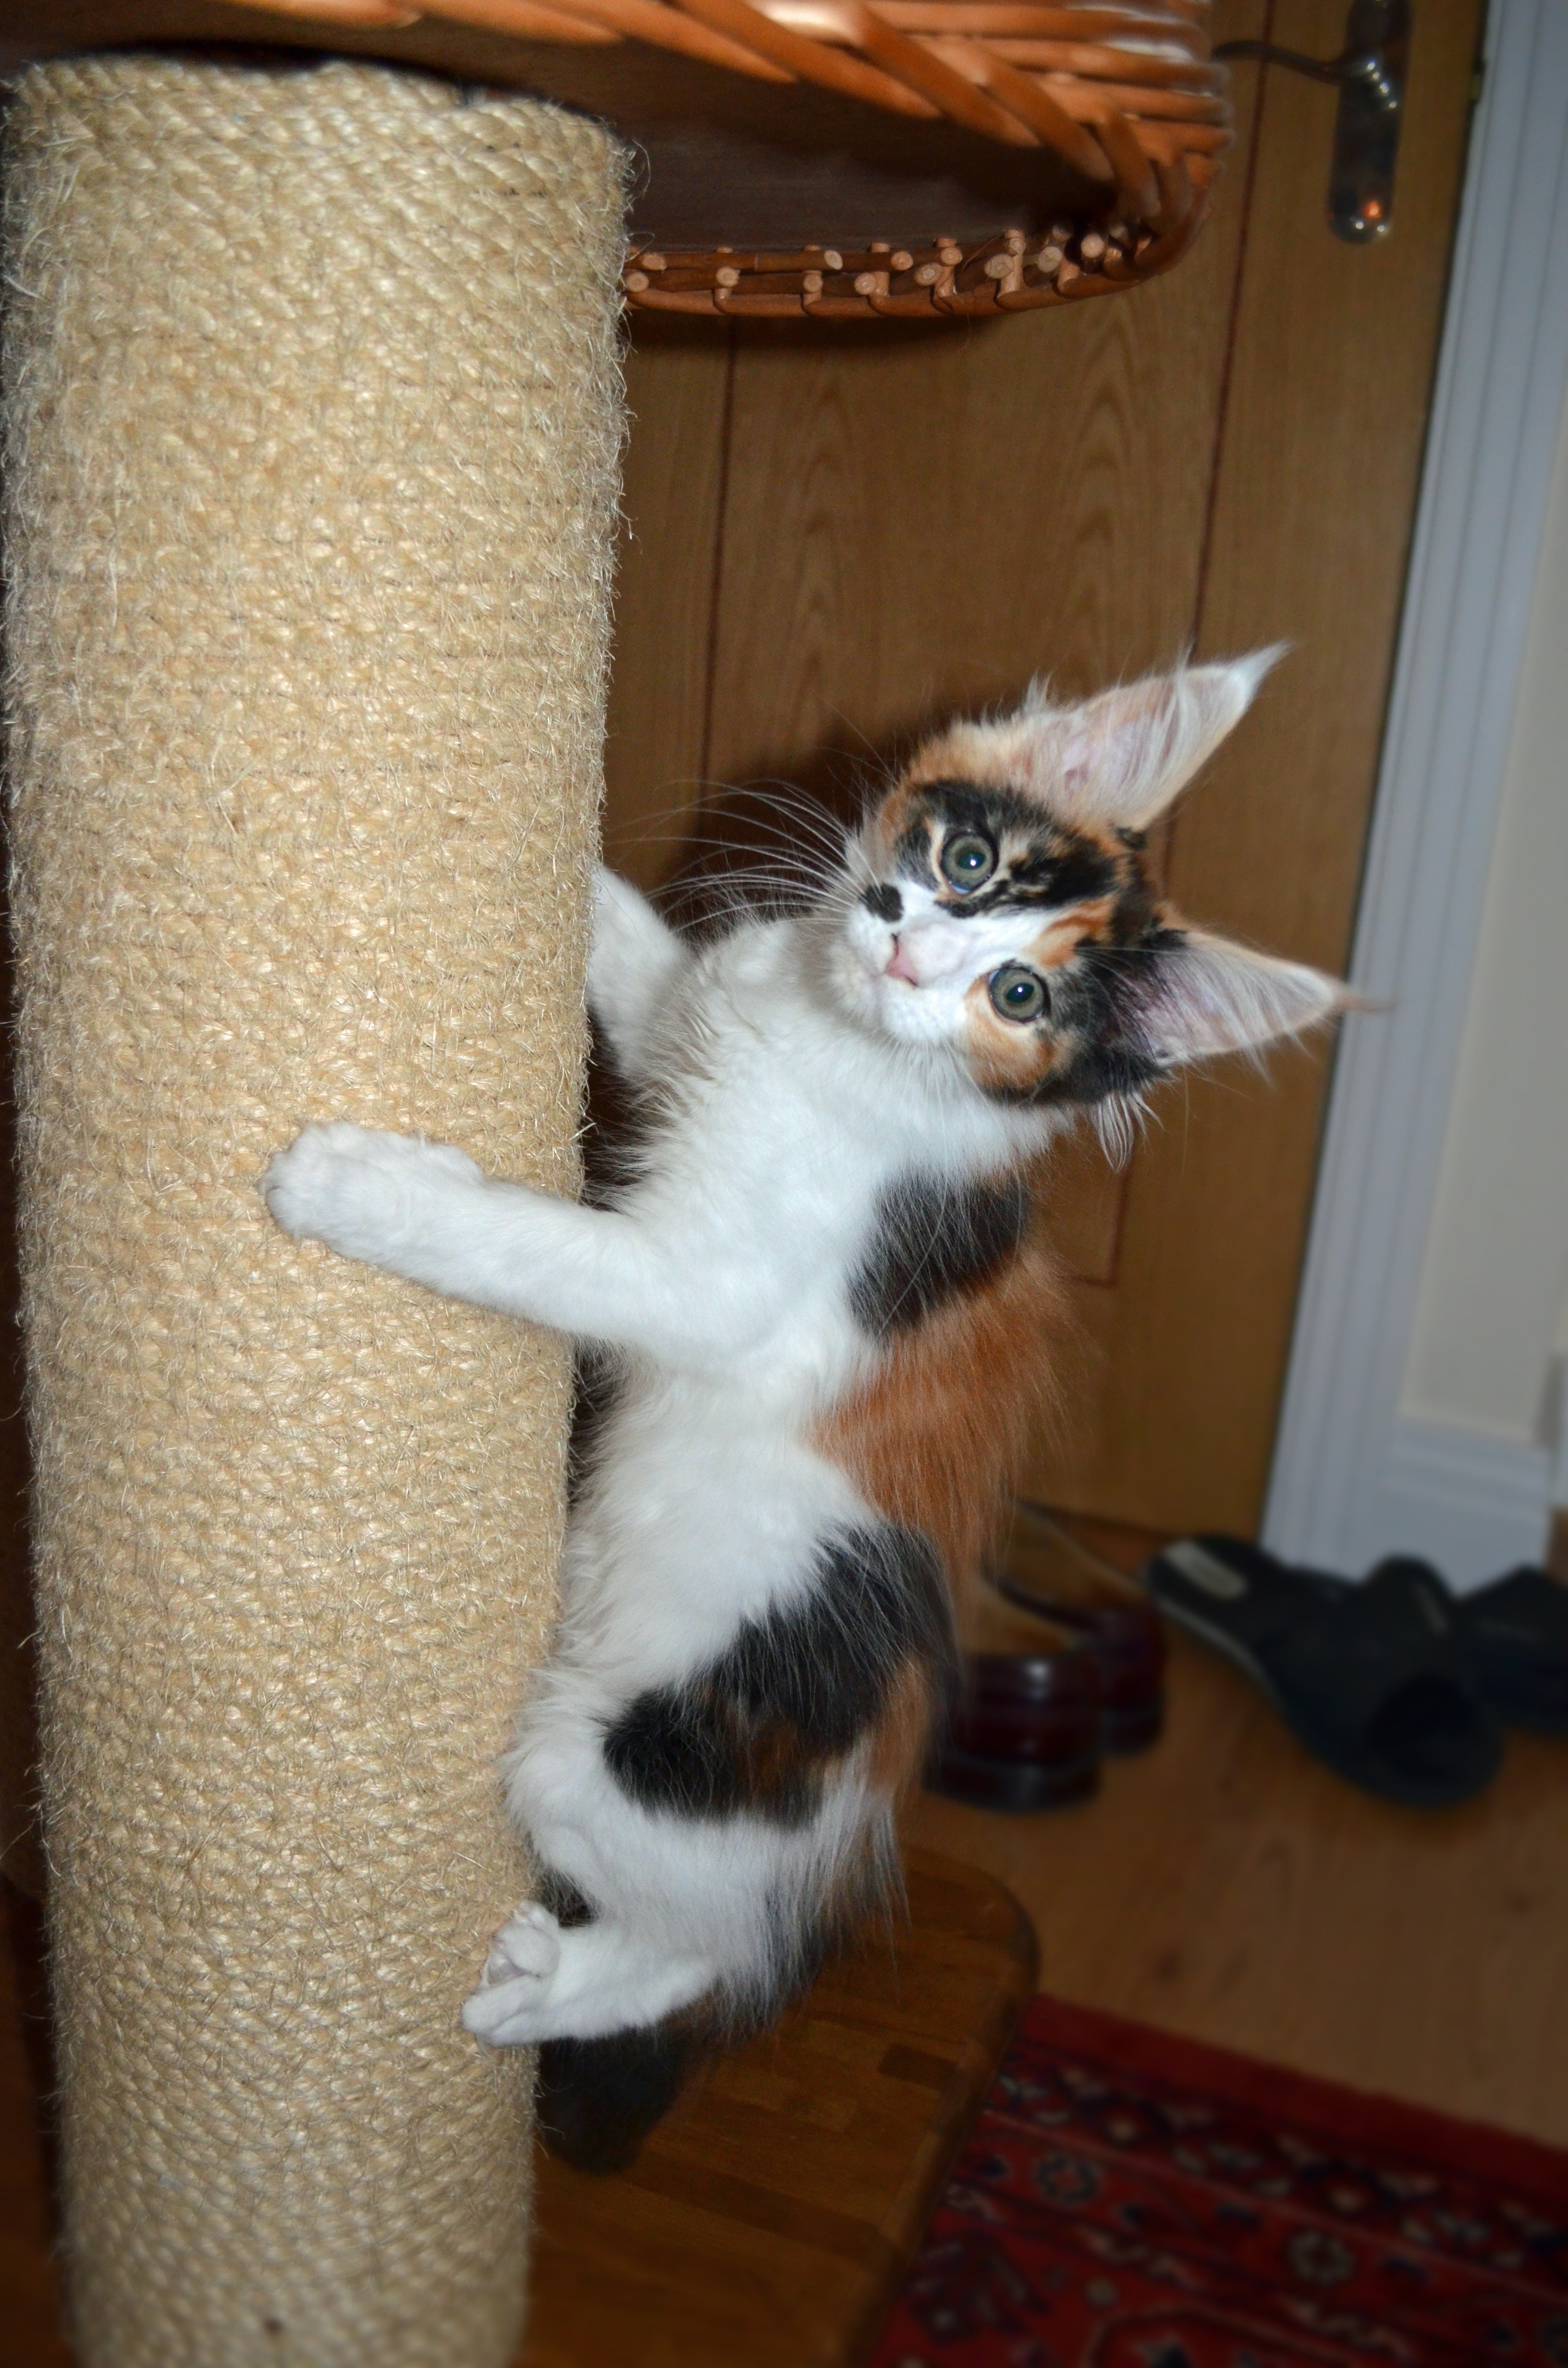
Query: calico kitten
pixel 827 1308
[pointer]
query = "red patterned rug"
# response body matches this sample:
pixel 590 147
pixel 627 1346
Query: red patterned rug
pixel 1129 2200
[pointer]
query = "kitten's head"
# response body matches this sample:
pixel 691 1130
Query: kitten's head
pixel 999 902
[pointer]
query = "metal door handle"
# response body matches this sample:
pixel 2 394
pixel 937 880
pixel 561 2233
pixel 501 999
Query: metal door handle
pixel 1369 72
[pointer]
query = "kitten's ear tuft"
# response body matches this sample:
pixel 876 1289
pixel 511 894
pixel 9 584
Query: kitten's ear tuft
pixel 1120 758
pixel 1207 995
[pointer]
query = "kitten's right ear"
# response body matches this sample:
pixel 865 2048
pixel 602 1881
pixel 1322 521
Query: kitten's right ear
pixel 1208 995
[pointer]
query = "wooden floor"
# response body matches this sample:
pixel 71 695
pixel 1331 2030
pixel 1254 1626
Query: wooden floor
pixel 1225 1886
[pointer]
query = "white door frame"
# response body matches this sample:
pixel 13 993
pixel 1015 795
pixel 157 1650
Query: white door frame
pixel 1352 1478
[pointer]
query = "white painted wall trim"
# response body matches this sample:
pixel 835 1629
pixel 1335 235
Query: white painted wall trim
pixel 1348 1477
pixel 1471 1502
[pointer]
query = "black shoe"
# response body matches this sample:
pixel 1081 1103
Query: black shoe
pixel 1376 1680
pixel 1514 1635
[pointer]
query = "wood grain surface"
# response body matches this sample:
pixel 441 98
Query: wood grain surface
pixel 916 522
pixel 678 385
pixel 29 2294
pixel 1230 1889
pixel 1224 1885
pixel 769 2220
pixel 1227 1885
pixel 908 522
pixel 1183 1360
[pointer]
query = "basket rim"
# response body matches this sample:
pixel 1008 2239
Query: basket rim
pixel 942 280
pixel 1117 88
pixel 1126 92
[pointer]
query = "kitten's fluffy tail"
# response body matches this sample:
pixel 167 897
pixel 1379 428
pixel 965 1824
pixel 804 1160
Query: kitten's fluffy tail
pixel 599 2098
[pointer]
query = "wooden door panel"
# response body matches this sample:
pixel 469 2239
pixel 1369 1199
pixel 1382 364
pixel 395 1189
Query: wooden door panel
pixel 1315 490
pixel 655 754
pixel 917 520
pixel 837 537
pixel 1182 1363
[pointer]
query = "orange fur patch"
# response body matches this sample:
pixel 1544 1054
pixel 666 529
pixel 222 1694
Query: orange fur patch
pixel 1005 1059
pixel 1066 930
pixel 967 752
pixel 936 1438
pixel 890 822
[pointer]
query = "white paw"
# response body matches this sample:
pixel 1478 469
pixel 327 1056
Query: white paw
pixel 362 1193
pixel 529 1942
pixel 508 2008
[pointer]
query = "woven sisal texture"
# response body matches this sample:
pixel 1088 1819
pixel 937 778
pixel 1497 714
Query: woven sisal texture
pixel 311 425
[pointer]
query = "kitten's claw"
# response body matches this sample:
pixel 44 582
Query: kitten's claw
pixel 529 1942
pixel 362 1193
pixel 514 1989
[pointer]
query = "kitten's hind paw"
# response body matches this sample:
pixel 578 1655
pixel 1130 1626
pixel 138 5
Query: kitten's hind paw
pixel 529 1942
pixel 515 1985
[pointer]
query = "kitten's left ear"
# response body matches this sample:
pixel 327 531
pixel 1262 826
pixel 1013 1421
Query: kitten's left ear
pixel 1120 758
pixel 1206 994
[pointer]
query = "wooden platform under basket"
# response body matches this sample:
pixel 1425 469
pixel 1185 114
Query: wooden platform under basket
pixel 768 2223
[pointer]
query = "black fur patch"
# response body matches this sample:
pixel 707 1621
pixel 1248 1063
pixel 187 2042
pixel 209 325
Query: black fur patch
pixel 884 901
pixel 597 2099
pixel 1069 871
pixel 932 1240
pixel 562 1896
pixel 1099 999
pixel 1063 867
pixel 755 1731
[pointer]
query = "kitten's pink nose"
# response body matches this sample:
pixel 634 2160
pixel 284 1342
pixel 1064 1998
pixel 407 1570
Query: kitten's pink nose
pixel 928 951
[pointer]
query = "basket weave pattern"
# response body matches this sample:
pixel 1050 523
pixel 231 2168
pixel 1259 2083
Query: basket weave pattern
pixel 1127 93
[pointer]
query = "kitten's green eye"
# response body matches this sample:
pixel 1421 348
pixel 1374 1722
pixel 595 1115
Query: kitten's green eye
pixel 968 860
pixel 1017 993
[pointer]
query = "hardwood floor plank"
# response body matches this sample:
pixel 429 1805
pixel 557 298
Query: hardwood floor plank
pixel 1227 1887
pixel 1224 1885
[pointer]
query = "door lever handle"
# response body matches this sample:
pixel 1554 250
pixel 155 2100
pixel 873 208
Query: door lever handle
pixel 1370 70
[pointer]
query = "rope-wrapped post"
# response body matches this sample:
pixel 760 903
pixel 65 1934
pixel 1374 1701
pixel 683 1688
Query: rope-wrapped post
pixel 311 432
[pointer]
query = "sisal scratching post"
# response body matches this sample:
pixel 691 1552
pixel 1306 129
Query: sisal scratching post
pixel 312 434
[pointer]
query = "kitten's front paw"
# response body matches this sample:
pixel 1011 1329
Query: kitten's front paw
pixel 362 1193
pixel 514 1989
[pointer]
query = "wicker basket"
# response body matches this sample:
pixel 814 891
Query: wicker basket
pixel 1123 103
